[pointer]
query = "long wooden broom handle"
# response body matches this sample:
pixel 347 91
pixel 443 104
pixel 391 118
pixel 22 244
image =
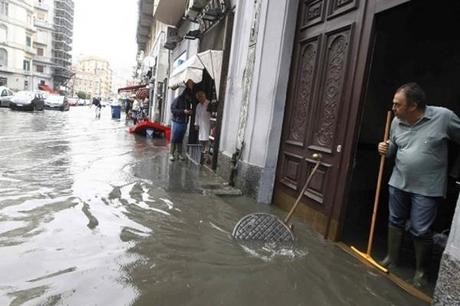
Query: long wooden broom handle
pixel 379 184
pixel 317 157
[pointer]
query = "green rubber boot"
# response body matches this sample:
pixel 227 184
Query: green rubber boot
pixel 395 236
pixel 423 249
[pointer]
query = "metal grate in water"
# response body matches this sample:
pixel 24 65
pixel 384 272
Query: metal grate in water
pixel 262 227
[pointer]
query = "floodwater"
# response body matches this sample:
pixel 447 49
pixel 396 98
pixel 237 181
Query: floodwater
pixel 91 215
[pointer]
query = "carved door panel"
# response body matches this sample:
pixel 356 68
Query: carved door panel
pixel 319 98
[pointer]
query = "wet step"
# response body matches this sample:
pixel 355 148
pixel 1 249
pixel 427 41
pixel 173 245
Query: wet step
pixel 220 189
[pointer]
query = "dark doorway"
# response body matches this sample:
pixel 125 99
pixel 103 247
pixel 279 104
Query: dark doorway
pixel 418 42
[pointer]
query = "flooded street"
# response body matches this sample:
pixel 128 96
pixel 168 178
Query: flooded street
pixel 92 215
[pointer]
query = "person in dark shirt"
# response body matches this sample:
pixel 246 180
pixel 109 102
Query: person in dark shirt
pixel 98 105
pixel 181 110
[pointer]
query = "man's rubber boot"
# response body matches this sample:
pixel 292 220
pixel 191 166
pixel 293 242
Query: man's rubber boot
pixel 172 151
pixel 179 150
pixel 423 250
pixel 395 236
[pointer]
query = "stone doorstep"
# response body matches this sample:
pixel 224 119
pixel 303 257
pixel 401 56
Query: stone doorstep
pixel 220 189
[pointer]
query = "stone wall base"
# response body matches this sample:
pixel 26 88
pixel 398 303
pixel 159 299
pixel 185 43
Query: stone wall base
pixel 447 291
pixel 247 176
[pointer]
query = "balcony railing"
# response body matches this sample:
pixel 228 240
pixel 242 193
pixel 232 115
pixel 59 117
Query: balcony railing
pixel 30 50
pixel 43 60
pixel 43 24
pixel 11 70
pixel 44 75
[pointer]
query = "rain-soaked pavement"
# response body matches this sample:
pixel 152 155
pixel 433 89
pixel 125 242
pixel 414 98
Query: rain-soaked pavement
pixel 91 215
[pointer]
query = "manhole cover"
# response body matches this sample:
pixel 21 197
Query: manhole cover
pixel 264 227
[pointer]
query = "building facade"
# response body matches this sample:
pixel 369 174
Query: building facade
pixel 35 43
pixel 86 82
pixel 171 34
pixel 43 41
pixel 16 44
pixel 93 75
pixel 159 52
pixel 62 42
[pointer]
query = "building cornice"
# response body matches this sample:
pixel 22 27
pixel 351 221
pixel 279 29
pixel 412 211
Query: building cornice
pixel 23 48
pixel 21 3
pixel 13 21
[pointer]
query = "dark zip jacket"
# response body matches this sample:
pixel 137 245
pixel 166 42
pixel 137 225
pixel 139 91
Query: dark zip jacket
pixel 178 106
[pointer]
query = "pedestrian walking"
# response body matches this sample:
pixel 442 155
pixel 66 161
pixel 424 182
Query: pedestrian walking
pixel 418 142
pixel 98 105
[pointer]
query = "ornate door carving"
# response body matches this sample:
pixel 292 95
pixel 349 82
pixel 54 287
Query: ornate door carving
pixel 318 102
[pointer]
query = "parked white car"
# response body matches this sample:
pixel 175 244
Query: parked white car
pixel 57 102
pixel 6 95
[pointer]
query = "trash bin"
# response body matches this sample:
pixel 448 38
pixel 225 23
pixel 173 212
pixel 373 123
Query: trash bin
pixel 116 111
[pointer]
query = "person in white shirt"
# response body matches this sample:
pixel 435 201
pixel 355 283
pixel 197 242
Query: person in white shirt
pixel 203 119
pixel 135 110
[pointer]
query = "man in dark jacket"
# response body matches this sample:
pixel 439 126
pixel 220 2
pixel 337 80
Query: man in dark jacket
pixel 181 110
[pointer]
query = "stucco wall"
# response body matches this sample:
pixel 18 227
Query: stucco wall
pixel 256 90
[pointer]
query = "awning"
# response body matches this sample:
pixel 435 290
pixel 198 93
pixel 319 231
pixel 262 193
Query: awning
pixel 192 69
pixel 170 11
pixel 131 88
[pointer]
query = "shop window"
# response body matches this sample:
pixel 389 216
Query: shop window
pixel 3 81
pixel 3 57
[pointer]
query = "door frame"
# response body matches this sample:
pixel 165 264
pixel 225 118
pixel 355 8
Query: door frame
pixel 362 75
pixel 362 40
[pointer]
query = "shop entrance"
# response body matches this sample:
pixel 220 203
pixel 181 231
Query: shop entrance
pixel 417 41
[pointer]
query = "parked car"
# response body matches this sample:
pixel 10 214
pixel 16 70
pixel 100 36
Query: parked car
pixel 73 101
pixel 81 102
pixel 57 102
pixel 5 96
pixel 28 101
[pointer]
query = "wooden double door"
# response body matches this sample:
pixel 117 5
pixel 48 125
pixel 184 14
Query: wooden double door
pixel 332 49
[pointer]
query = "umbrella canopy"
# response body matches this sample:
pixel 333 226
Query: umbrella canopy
pixel 192 69
pixel 142 93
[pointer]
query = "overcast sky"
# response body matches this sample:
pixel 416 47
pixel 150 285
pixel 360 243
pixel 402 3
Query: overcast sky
pixel 107 28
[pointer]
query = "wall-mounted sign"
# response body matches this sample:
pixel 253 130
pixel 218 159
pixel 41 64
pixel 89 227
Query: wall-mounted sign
pixel 179 60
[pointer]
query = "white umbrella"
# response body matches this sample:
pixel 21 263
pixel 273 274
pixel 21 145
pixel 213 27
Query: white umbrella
pixel 192 69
